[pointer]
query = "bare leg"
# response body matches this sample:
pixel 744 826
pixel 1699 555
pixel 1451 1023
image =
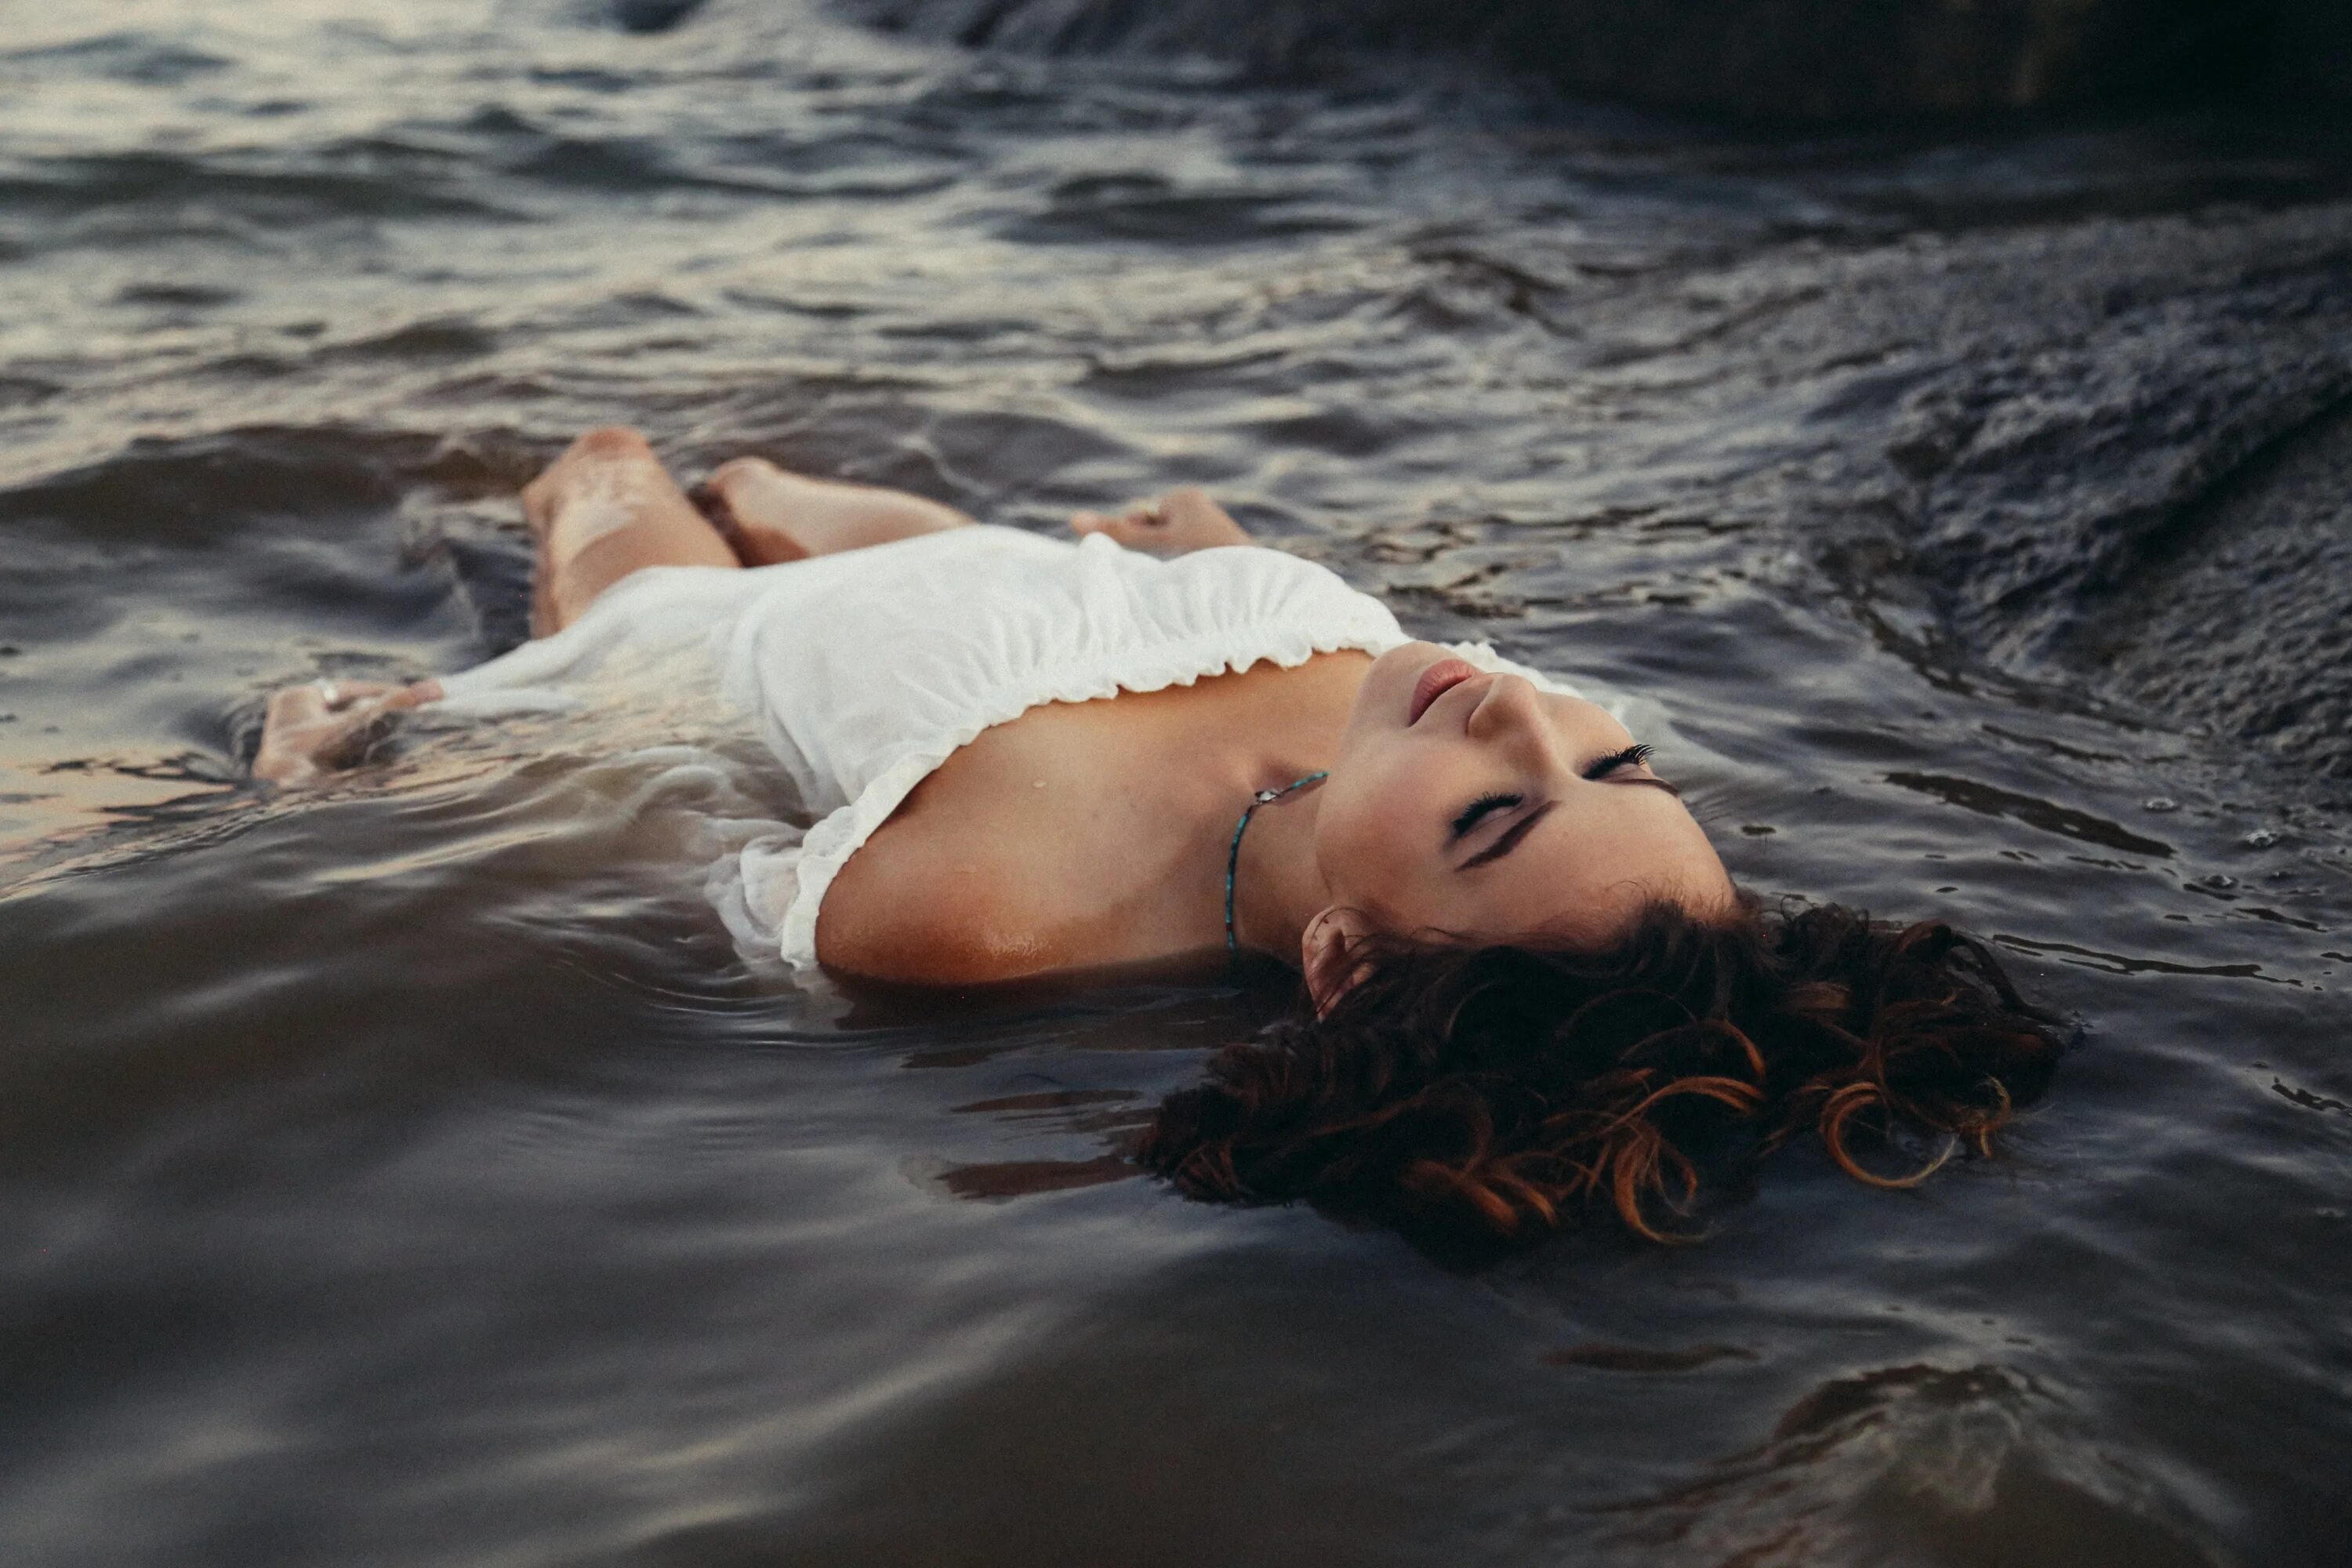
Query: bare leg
pixel 1182 520
pixel 772 514
pixel 601 510
pixel 605 509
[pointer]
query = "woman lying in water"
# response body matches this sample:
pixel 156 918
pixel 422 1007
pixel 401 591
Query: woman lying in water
pixel 1529 987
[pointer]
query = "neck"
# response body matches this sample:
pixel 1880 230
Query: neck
pixel 1262 729
pixel 1277 885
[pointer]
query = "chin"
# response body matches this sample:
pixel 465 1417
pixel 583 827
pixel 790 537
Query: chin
pixel 1385 698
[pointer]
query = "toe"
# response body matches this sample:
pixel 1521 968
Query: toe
pixel 736 471
pixel 1134 525
pixel 609 441
pixel 592 450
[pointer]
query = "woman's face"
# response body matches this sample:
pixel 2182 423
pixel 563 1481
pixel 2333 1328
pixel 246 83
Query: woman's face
pixel 1477 807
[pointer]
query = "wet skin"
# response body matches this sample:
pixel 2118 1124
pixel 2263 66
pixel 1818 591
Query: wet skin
pixel 1096 834
pixel 1499 813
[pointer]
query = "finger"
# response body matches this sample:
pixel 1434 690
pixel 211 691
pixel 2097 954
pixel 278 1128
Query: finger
pixel 348 745
pixel 295 705
pixel 1144 514
pixel 278 767
pixel 342 695
pixel 414 695
pixel 1085 522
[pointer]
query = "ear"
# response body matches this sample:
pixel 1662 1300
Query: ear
pixel 1323 954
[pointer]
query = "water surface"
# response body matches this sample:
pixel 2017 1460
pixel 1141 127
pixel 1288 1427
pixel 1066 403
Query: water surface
pixel 416 1173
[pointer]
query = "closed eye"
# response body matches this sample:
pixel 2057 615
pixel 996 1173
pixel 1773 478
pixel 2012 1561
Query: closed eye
pixel 1478 810
pixel 1633 756
pixel 1508 839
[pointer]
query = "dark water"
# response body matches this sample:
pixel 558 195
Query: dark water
pixel 416 1175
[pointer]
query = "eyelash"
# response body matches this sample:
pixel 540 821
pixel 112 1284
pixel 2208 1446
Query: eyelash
pixel 1633 756
pixel 1476 813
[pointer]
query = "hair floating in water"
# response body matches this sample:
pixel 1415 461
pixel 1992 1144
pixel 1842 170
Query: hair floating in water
pixel 1480 1099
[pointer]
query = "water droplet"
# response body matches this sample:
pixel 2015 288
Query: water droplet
pixel 2159 803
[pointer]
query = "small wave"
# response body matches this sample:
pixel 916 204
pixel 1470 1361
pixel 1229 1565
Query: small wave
pixel 207 486
pixel 1091 211
pixel 78 186
pixel 1977 1453
pixel 120 57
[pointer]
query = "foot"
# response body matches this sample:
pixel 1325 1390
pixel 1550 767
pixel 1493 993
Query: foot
pixel 1182 520
pixel 606 482
pixel 749 502
pixel 772 514
pixel 598 485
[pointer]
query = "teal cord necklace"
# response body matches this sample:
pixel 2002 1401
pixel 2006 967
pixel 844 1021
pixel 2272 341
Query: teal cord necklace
pixel 1233 855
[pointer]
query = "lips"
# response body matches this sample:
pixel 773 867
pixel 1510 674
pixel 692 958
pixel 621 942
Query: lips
pixel 1436 681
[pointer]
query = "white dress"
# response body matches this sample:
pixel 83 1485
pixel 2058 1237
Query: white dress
pixel 864 670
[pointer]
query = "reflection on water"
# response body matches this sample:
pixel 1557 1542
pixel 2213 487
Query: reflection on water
pixel 416 1172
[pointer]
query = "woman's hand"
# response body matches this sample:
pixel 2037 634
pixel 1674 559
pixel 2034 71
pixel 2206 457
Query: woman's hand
pixel 327 724
pixel 1184 520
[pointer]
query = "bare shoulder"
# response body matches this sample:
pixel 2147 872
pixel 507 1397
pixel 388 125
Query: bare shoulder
pixel 1078 836
pixel 978 875
pixel 912 910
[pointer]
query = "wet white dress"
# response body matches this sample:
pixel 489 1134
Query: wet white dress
pixel 864 670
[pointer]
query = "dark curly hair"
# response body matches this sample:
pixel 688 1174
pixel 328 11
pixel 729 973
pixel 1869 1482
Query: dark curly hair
pixel 1477 1099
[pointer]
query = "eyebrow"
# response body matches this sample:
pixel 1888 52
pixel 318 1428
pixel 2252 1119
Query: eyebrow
pixel 1510 839
pixel 1524 826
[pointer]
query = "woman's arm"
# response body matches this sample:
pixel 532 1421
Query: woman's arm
pixel 1182 520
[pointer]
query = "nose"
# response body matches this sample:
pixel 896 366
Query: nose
pixel 1538 731
pixel 1511 713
